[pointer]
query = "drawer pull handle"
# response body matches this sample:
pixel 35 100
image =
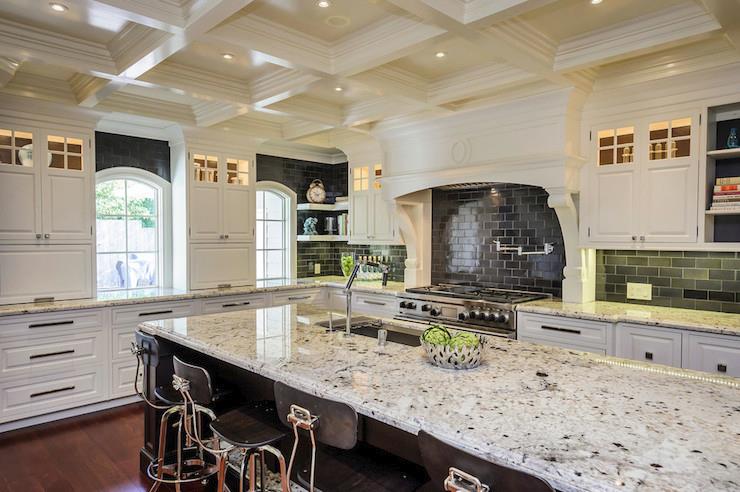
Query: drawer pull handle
pixel 375 303
pixel 721 367
pixel 234 304
pixel 564 330
pixel 224 286
pixel 152 313
pixel 649 355
pixel 52 354
pixel 52 323
pixel 298 298
pixel 51 392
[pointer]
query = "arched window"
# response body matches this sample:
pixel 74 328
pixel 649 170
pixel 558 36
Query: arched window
pixel 275 233
pixel 131 212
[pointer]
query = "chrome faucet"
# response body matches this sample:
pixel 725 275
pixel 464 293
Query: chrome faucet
pixel 348 288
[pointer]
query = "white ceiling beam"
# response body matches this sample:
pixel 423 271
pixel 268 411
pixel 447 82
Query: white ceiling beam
pixel 8 67
pixel 122 102
pixel 133 43
pixel 680 24
pixel 727 13
pixel 215 112
pixel 389 80
pixel 475 11
pixel 477 82
pixel 295 129
pixel 196 82
pixel 40 87
pixel 157 14
pixel 364 112
pixel 310 109
pixel 210 15
pixel 280 85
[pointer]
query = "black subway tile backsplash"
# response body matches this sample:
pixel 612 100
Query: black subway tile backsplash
pixel 112 150
pixel 685 279
pixel 465 224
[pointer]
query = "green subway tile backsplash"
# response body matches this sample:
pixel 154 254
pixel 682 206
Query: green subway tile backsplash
pixel 685 279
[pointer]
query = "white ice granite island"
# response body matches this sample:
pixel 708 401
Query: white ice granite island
pixel 585 422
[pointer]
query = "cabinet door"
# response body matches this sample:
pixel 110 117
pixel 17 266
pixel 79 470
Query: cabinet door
pixel 30 272
pixel 214 265
pixel 359 215
pixel 614 187
pixel 669 181
pixel 237 212
pixel 382 224
pixel 67 209
pixel 206 222
pixel 713 353
pixel 20 200
pixel 660 346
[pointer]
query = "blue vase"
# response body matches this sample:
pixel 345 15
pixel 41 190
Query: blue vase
pixel 732 142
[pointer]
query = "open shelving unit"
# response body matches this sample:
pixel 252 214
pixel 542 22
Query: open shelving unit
pixel 721 227
pixel 322 237
pixel 324 207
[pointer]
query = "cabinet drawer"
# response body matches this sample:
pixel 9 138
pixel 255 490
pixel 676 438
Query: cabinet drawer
pixel 121 339
pixel 50 324
pixel 566 345
pixel 658 345
pixel 122 379
pixel 35 356
pixel 132 316
pixel 303 296
pixel 234 303
pixel 716 354
pixel 569 333
pixel 217 265
pixel 24 398
pixel 384 305
pixel 337 300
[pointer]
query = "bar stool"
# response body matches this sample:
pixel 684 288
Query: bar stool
pixel 333 429
pixel 453 470
pixel 245 428
pixel 186 463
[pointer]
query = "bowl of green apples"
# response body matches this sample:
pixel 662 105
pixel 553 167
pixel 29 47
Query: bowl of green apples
pixel 452 350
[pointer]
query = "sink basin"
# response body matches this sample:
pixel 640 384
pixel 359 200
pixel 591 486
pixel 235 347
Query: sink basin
pixel 368 327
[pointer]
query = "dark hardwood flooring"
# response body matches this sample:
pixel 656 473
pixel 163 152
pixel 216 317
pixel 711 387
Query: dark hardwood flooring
pixel 91 453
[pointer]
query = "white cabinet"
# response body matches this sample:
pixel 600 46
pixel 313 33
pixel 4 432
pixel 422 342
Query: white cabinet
pixel 372 219
pixel 647 344
pixel 29 272
pixel 712 353
pixel 300 296
pixel 586 335
pixel 382 305
pixel 643 186
pixel 221 265
pixel 221 201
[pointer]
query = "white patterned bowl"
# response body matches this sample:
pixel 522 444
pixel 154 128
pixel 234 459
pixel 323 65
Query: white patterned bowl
pixel 454 358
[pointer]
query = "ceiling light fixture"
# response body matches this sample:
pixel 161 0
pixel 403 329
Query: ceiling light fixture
pixel 440 54
pixel 596 2
pixel 58 7
pixel 338 88
pixel 324 4
pixel 227 56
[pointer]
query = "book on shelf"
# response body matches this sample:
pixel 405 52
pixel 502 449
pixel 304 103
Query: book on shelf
pixel 724 188
pixel 726 193
pixel 733 180
pixel 716 205
pixel 726 198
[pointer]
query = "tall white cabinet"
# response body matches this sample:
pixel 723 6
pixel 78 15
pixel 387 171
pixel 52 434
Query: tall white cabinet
pixel 643 183
pixel 372 220
pixel 46 212
pixel 213 188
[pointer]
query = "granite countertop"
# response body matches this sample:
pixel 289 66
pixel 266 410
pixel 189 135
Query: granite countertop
pixel 592 423
pixel 689 319
pixel 144 296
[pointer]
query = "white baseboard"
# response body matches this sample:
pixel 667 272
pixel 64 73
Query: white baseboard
pixel 64 414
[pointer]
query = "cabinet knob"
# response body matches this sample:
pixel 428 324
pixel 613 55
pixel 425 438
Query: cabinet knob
pixel 47 236
pixel 226 236
pixel 642 238
pixel 38 236
pixel 649 355
pixel 221 236
pixel 721 367
pixel 634 238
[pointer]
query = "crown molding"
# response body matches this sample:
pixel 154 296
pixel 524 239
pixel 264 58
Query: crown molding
pixel 295 129
pixel 284 46
pixel 23 42
pixel 377 108
pixel 133 42
pixel 475 82
pixel 40 87
pixel 121 102
pixel 27 111
pixel 499 10
pixel 210 113
pixel 292 150
pixel 84 86
pixel 537 45
pixel 390 80
pixel 280 85
pixel 682 23
pixel 141 127
pixel 167 15
pixel 8 67
pixel 197 83
pixel 311 109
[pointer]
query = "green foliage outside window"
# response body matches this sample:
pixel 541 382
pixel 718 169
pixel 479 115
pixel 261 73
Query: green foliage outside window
pixel 111 205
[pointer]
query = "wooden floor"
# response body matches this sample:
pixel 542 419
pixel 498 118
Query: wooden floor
pixel 96 452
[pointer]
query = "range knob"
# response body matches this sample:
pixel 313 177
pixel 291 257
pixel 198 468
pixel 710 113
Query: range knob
pixel 476 314
pixel 505 318
pixel 410 305
pixel 426 307
pixel 436 311
pixel 487 316
pixel 463 316
pixel 402 305
pixel 498 317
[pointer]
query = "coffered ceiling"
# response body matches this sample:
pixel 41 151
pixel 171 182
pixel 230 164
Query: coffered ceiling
pixel 292 70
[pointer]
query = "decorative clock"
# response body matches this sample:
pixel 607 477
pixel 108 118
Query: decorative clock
pixel 316 192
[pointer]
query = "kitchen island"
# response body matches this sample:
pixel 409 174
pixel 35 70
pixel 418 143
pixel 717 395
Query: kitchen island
pixel 580 421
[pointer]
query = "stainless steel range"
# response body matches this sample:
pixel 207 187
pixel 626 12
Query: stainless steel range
pixel 467 306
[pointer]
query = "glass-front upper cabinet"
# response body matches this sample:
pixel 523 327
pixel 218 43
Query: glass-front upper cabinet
pixel 669 139
pixel 205 168
pixel 65 152
pixel 616 146
pixel 361 178
pixel 237 171
pixel 16 148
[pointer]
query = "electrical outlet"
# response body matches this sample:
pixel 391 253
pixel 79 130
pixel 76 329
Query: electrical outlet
pixel 643 292
pixel 317 268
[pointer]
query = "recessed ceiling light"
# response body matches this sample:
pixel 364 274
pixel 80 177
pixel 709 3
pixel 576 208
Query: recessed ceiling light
pixel 324 4
pixel 227 56
pixel 338 88
pixel 596 2
pixel 58 7
pixel 440 54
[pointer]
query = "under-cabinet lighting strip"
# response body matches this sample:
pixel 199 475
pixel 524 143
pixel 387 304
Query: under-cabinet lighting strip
pixel 728 381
